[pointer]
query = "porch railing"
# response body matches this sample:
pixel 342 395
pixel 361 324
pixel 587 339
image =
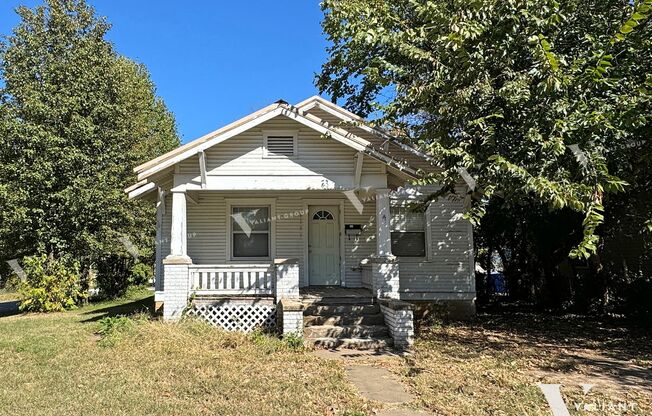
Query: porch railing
pixel 238 279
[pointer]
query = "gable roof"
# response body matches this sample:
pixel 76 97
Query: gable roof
pixel 375 144
pixel 379 137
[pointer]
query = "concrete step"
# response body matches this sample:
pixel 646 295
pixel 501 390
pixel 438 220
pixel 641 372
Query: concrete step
pixel 333 310
pixel 336 300
pixel 350 343
pixel 347 331
pixel 376 319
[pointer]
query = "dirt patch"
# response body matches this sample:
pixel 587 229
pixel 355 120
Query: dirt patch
pixel 493 365
pixel 609 374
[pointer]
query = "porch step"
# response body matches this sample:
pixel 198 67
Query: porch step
pixel 351 343
pixel 346 331
pixel 311 320
pixel 333 310
pixel 339 300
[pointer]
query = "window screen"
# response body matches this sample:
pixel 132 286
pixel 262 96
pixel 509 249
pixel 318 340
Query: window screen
pixel 408 232
pixel 250 232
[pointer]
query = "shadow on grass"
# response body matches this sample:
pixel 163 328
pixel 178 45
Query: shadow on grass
pixel 9 308
pixel 559 345
pixel 129 308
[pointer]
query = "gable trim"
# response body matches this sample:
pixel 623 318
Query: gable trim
pixel 240 126
pixel 348 139
pixel 196 142
pixel 345 115
pixel 210 142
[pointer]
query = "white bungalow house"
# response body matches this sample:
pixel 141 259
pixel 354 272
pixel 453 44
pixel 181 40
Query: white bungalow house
pixel 305 214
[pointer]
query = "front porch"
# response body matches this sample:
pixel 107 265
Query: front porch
pixel 325 316
pixel 268 296
pixel 254 286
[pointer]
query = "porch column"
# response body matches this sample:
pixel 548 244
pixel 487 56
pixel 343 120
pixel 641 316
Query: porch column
pixel 287 279
pixel 178 232
pixel 383 240
pixel 177 263
pixel 289 309
pixel 158 269
pixel 384 267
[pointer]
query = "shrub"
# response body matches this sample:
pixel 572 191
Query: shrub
pixel 117 274
pixel 114 324
pixel 10 284
pixel 635 294
pixel 141 274
pixel 112 328
pixel 113 275
pixel 293 341
pixel 271 343
pixel 50 284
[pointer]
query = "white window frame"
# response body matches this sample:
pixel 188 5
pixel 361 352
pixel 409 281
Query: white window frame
pixel 295 138
pixel 251 203
pixel 427 230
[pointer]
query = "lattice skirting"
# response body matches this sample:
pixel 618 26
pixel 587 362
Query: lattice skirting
pixel 243 317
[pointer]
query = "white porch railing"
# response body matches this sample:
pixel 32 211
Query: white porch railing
pixel 237 279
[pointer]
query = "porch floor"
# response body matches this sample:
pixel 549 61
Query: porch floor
pixel 309 293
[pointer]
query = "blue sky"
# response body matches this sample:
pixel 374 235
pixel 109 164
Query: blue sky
pixel 214 61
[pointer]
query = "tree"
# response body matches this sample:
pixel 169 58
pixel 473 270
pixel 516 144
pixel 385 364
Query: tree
pixel 539 101
pixel 75 119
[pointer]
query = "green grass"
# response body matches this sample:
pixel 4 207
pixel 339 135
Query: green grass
pixel 55 364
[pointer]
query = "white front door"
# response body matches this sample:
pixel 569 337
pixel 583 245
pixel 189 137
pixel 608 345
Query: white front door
pixel 324 245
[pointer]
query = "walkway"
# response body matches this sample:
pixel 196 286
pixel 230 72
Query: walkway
pixel 374 382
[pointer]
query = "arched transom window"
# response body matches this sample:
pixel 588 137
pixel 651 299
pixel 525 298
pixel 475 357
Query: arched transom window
pixel 322 215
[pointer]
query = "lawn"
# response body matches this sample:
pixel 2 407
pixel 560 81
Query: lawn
pixel 58 364
pixel 492 365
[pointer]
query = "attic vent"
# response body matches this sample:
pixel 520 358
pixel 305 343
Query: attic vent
pixel 277 144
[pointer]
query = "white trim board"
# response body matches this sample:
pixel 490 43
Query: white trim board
pixel 192 182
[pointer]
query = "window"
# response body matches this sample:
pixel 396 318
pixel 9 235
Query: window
pixel 280 143
pixel 408 231
pixel 322 216
pixel 250 232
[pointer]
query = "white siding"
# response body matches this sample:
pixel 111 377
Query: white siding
pixel 289 240
pixel 242 155
pixel 446 275
pixel 362 247
pixel 207 229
